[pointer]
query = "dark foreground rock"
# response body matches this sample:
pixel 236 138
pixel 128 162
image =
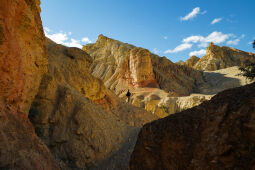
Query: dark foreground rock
pixel 218 134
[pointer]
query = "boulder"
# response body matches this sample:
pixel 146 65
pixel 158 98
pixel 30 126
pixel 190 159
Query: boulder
pixel 218 134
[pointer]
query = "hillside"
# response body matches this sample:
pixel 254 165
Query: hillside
pixel 79 119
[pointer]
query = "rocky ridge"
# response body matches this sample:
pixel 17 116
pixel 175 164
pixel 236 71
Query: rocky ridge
pixel 222 57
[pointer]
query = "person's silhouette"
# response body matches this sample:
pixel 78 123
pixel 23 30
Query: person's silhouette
pixel 128 95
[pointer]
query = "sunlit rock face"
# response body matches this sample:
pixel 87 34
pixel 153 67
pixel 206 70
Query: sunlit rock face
pixel 141 68
pixel 122 66
pixel 23 55
pixel 191 62
pixel 83 123
pixel 218 134
pixel 222 57
pixel 23 61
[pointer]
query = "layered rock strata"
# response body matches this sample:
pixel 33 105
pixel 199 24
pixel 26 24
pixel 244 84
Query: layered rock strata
pixel 122 66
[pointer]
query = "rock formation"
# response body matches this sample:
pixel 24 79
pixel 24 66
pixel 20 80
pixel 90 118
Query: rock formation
pixel 140 67
pixel 163 104
pixel 222 57
pixel 22 63
pixel 23 54
pixel 191 62
pixel 80 120
pixel 218 134
pixel 219 80
pixel 122 66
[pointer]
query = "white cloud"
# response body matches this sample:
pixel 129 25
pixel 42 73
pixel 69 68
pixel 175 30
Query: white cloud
pixel 233 42
pixel 192 14
pixel 215 37
pixel 204 12
pixel 250 42
pixel 165 37
pixel 73 43
pixel 242 36
pixel 193 39
pixel 198 53
pixel 59 38
pixel 86 40
pixel 65 39
pixel 155 51
pixel 216 20
pixel 179 48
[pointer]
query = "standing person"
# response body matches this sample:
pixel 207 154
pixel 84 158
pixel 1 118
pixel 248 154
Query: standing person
pixel 128 95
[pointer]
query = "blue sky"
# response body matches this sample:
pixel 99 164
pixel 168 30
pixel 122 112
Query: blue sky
pixel 171 28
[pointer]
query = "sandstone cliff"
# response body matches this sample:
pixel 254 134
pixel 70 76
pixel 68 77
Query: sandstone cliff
pixel 222 57
pixel 80 120
pixel 122 66
pixel 218 134
pixel 23 61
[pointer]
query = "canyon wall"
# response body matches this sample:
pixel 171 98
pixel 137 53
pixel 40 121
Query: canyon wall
pixel 23 61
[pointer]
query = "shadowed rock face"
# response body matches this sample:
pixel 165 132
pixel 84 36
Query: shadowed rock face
pixel 80 120
pixel 218 134
pixel 20 148
pixel 23 61
pixel 222 57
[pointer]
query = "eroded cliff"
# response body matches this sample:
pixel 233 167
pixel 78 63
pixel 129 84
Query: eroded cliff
pixel 122 66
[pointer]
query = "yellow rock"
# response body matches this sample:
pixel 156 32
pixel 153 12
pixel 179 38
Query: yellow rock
pixel 222 57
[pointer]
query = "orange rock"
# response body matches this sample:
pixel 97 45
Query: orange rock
pixel 23 55
pixel 23 61
pixel 141 68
